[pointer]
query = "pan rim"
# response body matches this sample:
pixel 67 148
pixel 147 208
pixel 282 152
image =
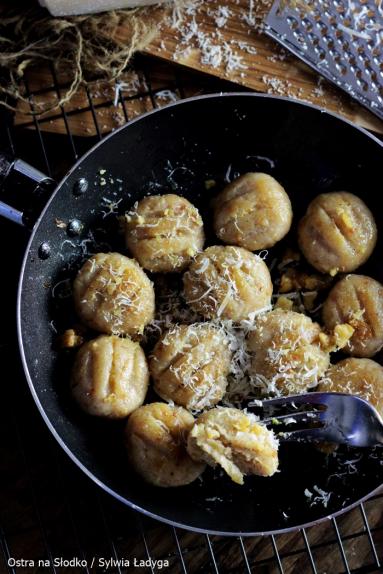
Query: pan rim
pixel 28 376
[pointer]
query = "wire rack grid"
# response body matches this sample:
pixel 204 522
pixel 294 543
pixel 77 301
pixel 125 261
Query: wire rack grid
pixel 50 511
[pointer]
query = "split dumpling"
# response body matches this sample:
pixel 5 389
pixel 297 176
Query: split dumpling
pixel 358 301
pixel 234 440
pixel 164 232
pixel 287 356
pixel 189 365
pixel 113 295
pixel 253 211
pixel 155 438
pixel 110 377
pixel 338 232
pixel 362 377
pixel 227 282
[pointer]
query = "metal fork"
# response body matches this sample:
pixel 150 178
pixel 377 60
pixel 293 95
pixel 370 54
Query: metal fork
pixel 336 417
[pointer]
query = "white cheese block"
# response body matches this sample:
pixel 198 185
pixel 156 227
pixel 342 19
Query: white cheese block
pixel 76 7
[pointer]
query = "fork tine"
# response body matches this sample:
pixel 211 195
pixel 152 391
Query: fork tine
pixel 343 418
pixel 299 416
pixel 315 434
pixel 310 398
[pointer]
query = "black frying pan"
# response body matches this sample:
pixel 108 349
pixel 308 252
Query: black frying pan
pixel 177 148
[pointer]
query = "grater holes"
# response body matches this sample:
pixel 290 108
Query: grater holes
pixel 374 86
pixel 368 71
pixel 342 36
pixel 362 84
pixel 313 38
pixel 302 14
pixel 342 69
pixel 362 56
pixel 293 23
pixel 345 46
pixel 337 57
pixel 339 7
pixel 322 27
pixel 321 53
pixel 341 10
pixel 350 57
pixel 307 24
pixel 329 41
pixel 327 14
pixel 374 77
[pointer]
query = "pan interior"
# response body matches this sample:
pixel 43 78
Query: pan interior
pixel 176 150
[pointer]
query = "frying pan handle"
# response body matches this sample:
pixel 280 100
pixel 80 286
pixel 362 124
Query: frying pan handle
pixel 16 174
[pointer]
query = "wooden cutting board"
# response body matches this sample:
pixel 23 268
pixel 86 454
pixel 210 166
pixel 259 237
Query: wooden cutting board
pixel 225 38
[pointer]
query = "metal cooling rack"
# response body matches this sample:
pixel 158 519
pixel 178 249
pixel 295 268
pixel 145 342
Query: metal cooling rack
pixel 49 509
pixel 340 39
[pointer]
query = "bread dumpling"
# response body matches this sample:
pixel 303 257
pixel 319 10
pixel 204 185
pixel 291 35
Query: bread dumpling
pixel 287 357
pixel 236 441
pixel 113 295
pixel 358 301
pixel 338 232
pixel 190 364
pixel 155 439
pixel 253 211
pixel 227 282
pixel 164 233
pixel 110 377
pixel 362 377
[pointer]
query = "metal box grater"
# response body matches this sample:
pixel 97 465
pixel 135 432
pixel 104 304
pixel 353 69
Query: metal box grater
pixel 340 39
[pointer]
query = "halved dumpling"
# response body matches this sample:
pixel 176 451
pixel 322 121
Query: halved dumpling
pixel 236 441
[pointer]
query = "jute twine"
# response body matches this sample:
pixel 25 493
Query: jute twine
pixel 85 47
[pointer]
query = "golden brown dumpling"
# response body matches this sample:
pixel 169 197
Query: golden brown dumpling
pixel 287 357
pixel 155 437
pixel 189 365
pixel 253 211
pixel 228 283
pixel 358 301
pixel 164 232
pixel 362 377
pixel 234 440
pixel 338 232
pixel 110 377
pixel 113 295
